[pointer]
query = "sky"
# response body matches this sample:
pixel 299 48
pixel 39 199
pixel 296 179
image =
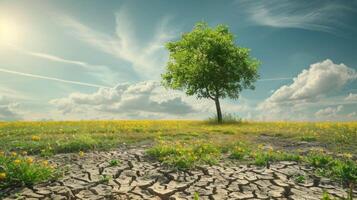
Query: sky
pixel 87 59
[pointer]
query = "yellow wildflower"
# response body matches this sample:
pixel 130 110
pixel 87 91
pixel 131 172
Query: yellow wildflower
pixel 2 176
pixel 347 155
pixel 29 160
pixel 2 153
pixel 35 138
pixel 17 161
pixel 45 162
pixel 81 153
pixel 13 153
pixel 24 153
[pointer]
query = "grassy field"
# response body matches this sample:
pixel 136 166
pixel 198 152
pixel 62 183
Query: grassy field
pixel 328 146
pixel 61 137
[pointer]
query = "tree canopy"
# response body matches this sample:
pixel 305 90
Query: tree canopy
pixel 206 62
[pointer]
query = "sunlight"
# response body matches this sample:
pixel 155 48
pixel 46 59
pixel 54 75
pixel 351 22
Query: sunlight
pixel 9 31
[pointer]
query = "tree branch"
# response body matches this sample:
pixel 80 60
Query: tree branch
pixel 209 95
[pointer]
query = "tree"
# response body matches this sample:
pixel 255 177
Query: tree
pixel 206 62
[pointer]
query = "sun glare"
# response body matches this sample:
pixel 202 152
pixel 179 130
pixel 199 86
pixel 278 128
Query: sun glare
pixel 9 31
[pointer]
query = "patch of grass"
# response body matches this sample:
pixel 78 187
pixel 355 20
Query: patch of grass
pixel 299 178
pixel 227 118
pixel 104 179
pixel 263 157
pixel 346 171
pixel 343 170
pixel 183 156
pixel 114 162
pixel 73 136
pixel 308 138
pixel 196 196
pixel 319 159
pixel 326 196
pixel 239 151
pixel 18 170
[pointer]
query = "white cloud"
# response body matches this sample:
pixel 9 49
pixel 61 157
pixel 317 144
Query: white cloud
pixel 147 58
pixel 141 100
pixel 8 109
pixel 311 86
pixel 351 97
pixel 329 112
pixel 125 101
pixel 322 16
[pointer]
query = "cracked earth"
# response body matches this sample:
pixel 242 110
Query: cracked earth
pixel 138 177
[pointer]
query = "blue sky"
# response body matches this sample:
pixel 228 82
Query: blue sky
pixel 63 60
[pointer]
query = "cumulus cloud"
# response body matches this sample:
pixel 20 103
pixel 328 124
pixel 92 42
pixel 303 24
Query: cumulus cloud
pixel 312 85
pixel 125 100
pixel 351 97
pixel 8 110
pixel 146 99
pixel 328 112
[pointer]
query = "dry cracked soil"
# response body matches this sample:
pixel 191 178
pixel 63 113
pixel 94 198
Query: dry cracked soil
pixel 139 177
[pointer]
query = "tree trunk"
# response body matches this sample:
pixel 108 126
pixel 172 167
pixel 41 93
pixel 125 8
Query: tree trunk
pixel 219 112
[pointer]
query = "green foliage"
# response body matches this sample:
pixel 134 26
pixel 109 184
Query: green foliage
pixel 18 170
pixel 326 196
pixel 114 162
pixel 239 151
pixel 207 63
pixel 319 159
pixel 196 196
pixel 346 170
pixel 104 179
pixel 308 138
pixel 263 158
pixel 183 156
pixel 300 178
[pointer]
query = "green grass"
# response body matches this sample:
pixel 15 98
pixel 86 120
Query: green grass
pixel 73 136
pixel 17 170
pixel 183 156
pixel 227 118
pixel 264 158
pixel 183 144
pixel 239 152
pixel 114 162
pixel 105 179
pixel 341 169
pixel 300 178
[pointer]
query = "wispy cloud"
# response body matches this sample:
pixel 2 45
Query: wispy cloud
pixel 101 72
pixel 325 16
pixel 147 58
pixel 59 59
pixel 51 78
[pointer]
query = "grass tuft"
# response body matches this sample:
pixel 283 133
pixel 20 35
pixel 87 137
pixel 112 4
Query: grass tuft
pixel 227 118
pixel 18 170
pixel 114 162
pixel 183 156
